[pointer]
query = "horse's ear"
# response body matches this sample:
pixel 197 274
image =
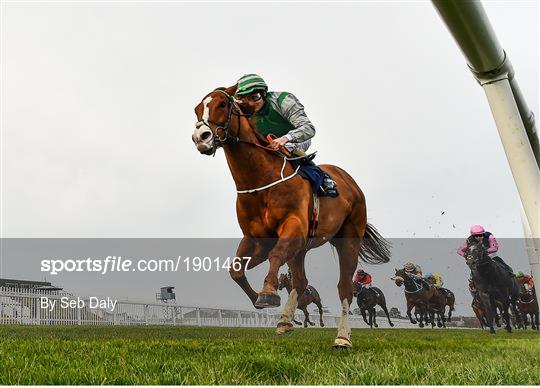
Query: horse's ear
pixel 231 89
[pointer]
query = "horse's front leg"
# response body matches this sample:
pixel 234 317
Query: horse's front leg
pixel 410 306
pixel 256 251
pixel 291 241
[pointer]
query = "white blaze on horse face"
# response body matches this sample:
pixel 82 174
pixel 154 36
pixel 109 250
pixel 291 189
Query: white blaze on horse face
pixel 206 111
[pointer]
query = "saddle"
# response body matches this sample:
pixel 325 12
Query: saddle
pixel 307 169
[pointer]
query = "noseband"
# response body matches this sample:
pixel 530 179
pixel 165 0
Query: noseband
pixel 224 127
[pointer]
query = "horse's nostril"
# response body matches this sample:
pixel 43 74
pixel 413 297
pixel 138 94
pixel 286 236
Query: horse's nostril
pixel 206 135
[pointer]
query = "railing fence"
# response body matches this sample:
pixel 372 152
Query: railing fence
pixel 46 307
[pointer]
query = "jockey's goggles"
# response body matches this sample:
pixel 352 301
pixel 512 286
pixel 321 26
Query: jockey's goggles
pixel 252 97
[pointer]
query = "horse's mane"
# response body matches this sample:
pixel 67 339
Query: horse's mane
pixel 260 138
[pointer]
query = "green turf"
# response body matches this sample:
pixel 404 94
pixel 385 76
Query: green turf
pixel 189 355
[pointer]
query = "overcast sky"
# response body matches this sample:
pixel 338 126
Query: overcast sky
pixel 98 99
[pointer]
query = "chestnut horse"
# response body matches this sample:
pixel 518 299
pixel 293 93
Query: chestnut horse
pixel 528 305
pixel 304 300
pixel 273 208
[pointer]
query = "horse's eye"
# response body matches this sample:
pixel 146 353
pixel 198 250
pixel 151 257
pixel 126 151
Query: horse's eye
pixel 223 104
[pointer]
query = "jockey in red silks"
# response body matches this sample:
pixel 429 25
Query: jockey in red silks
pixel 526 279
pixel 361 280
pixel 477 234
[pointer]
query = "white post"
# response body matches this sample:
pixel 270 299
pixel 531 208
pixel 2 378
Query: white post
pixel 220 318
pixel 533 251
pixel 199 317
pixel 146 314
pixel 520 158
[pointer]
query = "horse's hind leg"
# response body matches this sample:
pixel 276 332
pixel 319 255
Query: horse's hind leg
pixel 383 306
pixel 306 318
pixel 348 249
pixel 319 306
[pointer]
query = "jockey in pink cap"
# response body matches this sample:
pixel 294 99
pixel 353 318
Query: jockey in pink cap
pixel 477 234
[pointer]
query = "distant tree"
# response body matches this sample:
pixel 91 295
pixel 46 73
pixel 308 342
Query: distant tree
pixel 394 313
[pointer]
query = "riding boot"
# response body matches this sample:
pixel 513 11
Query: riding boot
pixel 328 186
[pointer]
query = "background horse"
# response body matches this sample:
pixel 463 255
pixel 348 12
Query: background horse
pixel 418 293
pixel 493 284
pixel 449 300
pixel 479 311
pixel 367 298
pixel 310 296
pixel 528 306
pixel 273 208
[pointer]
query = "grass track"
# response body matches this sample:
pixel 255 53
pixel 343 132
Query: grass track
pixel 188 355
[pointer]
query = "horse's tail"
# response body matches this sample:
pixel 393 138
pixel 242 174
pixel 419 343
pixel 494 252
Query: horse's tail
pixel 375 249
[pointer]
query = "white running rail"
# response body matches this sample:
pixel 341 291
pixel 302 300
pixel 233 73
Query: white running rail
pixel 23 306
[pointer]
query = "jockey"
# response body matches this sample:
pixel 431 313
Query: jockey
pixel 280 114
pixel 434 279
pixel 413 269
pixel 477 234
pixel 526 279
pixel 362 278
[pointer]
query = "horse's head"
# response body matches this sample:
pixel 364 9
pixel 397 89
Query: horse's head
pixel 476 255
pixel 399 277
pixel 214 116
pixel 283 280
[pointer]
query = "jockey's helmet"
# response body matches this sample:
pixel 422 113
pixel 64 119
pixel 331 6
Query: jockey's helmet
pixel 477 229
pixel 250 83
pixel 429 274
pixel 409 266
pixel 520 274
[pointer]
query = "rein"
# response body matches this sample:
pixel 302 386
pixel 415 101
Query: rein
pixel 234 110
pixel 418 286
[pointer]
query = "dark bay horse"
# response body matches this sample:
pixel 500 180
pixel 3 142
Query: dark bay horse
pixel 449 300
pixel 304 300
pixel 367 298
pixel 418 293
pixel 273 208
pixel 494 285
pixel 528 306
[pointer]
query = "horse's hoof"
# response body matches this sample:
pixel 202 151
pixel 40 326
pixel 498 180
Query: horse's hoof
pixel 342 343
pixel 413 322
pixel 376 325
pixel 439 324
pixel 421 324
pixel 312 324
pixel 267 300
pixel 391 324
pixel 284 328
pixel 322 324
